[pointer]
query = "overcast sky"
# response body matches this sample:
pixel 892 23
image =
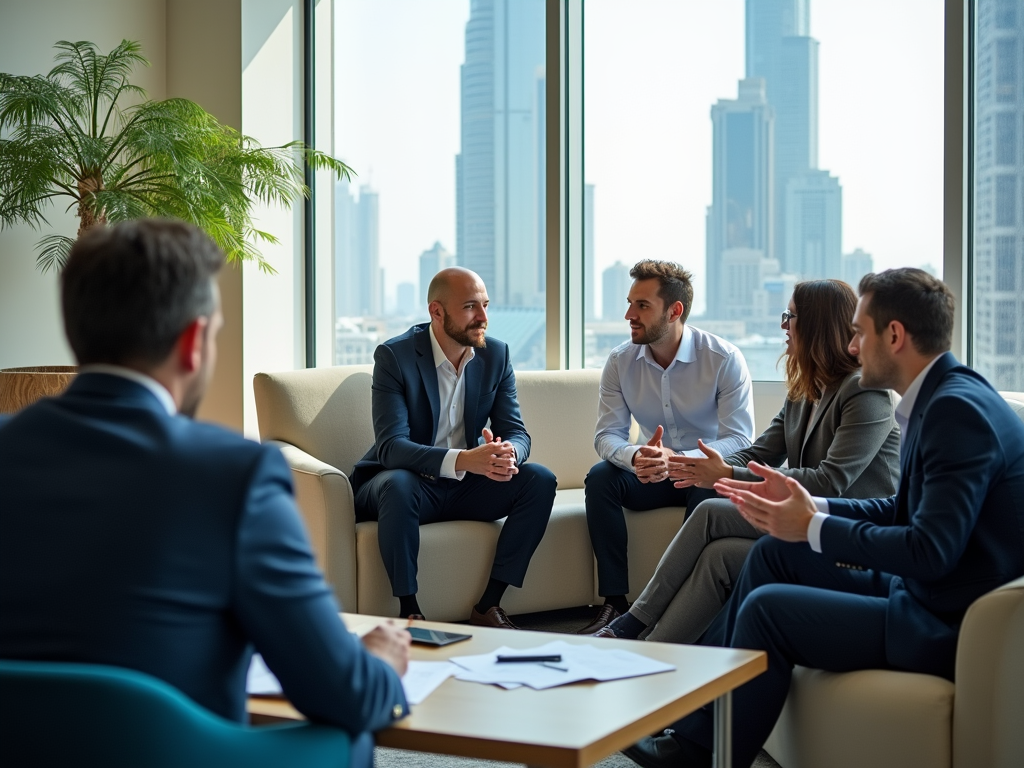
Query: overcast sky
pixel 653 69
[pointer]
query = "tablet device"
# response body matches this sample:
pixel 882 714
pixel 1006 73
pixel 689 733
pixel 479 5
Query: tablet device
pixel 434 636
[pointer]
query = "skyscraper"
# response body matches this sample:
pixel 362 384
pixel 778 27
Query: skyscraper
pixel 615 282
pixel 432 261
pixel 814 225
pixel 741 211
pixel 998 183
pixel 779 49
pixel 855 266
pixel 499 169
pixel 358 283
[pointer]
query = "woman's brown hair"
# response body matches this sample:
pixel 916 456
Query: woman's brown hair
pixel 819 356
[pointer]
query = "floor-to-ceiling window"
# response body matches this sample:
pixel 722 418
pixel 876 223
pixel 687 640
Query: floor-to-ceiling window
pixel 998 192
pixel 758 143
pixel 439 107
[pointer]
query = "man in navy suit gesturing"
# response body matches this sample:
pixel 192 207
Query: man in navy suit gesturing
pixel 845 584
pixel 133 536
pixel 434 389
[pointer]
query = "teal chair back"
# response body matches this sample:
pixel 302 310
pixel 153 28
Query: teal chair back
pixel 56 714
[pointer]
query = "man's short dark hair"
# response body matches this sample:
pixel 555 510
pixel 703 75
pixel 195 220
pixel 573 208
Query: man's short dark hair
pixel 674 281
pixel 128 291
pixel 920 302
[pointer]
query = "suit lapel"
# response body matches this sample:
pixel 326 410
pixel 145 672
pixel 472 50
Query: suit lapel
pixel 823 405
pixel 924 396
pixel 796 428
pixel 908 445
pixel 428 372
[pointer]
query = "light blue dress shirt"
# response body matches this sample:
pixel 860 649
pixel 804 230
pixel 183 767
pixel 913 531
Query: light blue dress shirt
pixel 704 393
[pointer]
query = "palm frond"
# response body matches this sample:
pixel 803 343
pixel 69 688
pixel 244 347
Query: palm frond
pixel 69 134
pixel 53 252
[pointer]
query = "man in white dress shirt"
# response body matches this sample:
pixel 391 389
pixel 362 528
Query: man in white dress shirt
pixel 681 385
pixel 434 458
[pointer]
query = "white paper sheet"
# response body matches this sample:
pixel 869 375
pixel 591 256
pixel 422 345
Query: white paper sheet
pixel 579 662
pixel 260 681
pixel 423 677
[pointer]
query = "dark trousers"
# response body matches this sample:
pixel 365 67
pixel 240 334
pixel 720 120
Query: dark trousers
pixel 401 501
pixel 801 608
pixel 608 490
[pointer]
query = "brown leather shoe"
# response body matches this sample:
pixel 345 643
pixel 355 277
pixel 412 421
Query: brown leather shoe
pixel 605 632
pixel 605 616
pixel 492 617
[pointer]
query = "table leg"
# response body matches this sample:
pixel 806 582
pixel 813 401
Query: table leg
pixel 723 732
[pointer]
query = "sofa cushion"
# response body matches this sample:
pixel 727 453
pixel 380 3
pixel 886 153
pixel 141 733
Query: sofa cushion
pixel 870 717
pixel 323 411
pixel 560 412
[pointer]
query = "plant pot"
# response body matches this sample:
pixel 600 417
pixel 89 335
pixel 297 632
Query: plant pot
pixel 23 386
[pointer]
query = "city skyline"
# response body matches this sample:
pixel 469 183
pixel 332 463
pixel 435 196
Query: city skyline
pixel 412 167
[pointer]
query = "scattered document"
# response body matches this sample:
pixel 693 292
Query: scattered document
pixel 421 679
pixel 260 681
pixel 579 662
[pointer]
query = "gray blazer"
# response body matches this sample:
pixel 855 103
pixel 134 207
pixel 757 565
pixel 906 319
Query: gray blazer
pixel 852 448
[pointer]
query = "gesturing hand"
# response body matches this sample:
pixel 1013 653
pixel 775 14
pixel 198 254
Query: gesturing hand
pixel 689 471
pixel 650 462
pixel 494 459
pixel 779 506
pixel 390 644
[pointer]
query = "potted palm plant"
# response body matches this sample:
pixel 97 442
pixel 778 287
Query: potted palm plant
pixel 84 133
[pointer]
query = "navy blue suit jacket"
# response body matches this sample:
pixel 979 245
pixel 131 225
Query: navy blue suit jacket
pixel 406 405
pixel 133 538
pixel 955 528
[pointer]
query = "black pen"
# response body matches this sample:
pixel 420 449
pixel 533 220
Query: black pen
pixel 507 659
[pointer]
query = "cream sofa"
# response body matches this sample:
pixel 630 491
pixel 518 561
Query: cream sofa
pixel 904 720
pixel 320 418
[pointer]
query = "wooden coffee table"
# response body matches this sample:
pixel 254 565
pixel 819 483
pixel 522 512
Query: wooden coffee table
pixel 566 727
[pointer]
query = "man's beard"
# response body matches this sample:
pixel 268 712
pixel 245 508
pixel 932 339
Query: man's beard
pixel 461 335
pixel 884 374
pixel 653 333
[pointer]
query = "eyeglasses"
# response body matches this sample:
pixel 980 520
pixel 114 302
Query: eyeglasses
pixel 787 316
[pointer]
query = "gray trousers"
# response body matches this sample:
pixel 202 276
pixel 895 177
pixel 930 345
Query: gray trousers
pixel 696 573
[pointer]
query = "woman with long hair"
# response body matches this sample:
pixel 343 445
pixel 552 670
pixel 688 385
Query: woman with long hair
pixel 835 438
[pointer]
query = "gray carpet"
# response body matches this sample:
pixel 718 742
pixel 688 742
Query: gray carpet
pixel 567 621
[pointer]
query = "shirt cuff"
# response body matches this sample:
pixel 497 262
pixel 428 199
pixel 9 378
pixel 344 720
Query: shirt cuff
pixel 448 465
pixel 814 527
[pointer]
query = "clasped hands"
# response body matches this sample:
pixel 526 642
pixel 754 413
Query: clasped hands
pixel 654 462
pixel 494 458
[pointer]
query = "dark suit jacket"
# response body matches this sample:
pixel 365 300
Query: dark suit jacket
pixel 136 539
pixel 954 530
pixel 852 448
pixel 406 405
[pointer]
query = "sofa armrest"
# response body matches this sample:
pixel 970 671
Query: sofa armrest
pixel 324 496
pixel 989 706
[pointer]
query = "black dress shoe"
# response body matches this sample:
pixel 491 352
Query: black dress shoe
pixel 665 752
pixel 605 616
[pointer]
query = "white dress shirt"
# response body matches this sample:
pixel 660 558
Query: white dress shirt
pixel 704 393
pixel 451 390
pixel 154 386
pixel 902 414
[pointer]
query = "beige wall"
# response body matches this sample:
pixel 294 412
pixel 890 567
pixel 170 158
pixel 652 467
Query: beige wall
pixel 30 324
pixel 196 51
